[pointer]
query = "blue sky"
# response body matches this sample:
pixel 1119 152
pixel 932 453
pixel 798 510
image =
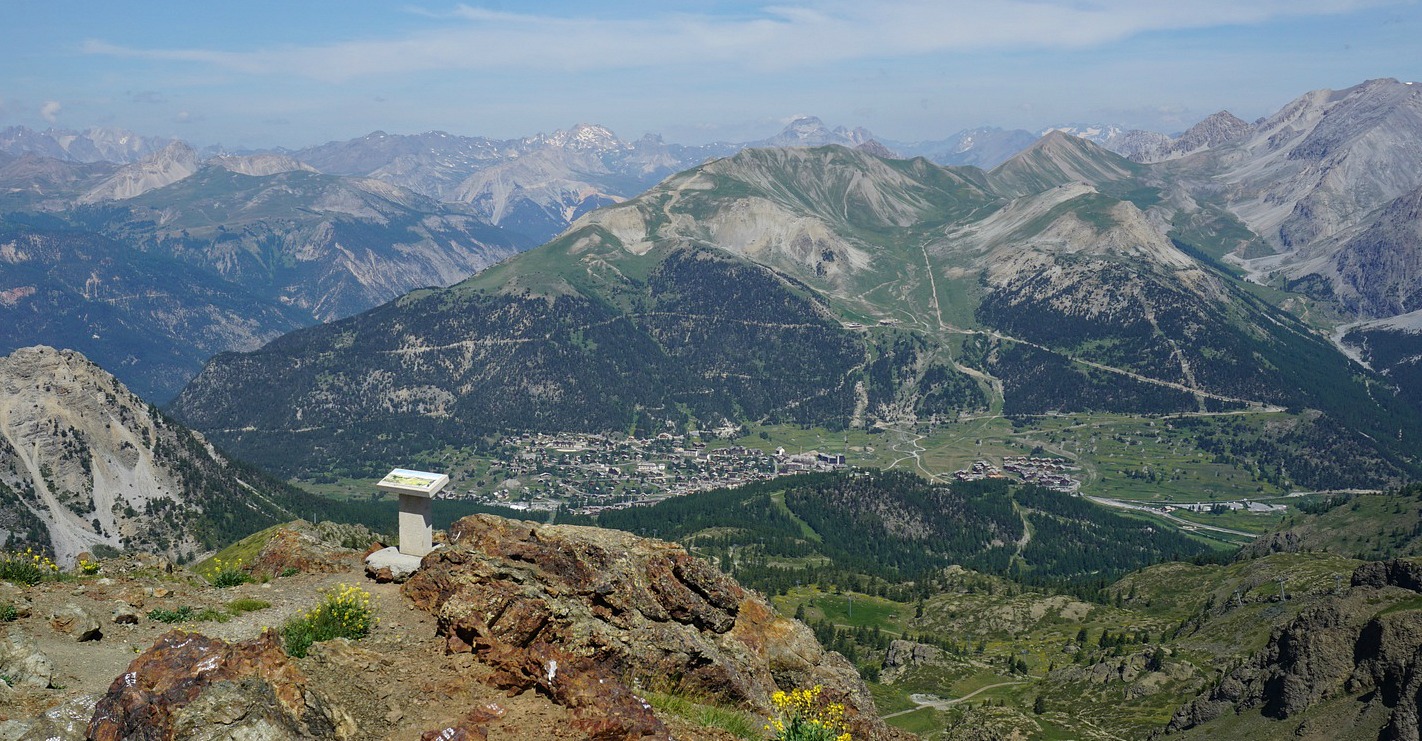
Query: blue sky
pixel 260 73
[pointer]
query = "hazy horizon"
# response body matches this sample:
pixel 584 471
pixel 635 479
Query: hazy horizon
pixel 267 74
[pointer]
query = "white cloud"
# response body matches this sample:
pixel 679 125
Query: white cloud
pixel 50 111
pixel 779 36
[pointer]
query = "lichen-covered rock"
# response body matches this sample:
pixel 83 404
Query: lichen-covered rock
pixel 634 608
pixel 22 661
pixel 604 708
pixel 190 686
pixel 64 722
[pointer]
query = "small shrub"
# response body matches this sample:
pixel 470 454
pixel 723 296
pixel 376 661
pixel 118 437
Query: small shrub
pixel 225 574
pixel 87 567
pixel 802 716
pixel 211 615
pixel 181 615
pixel 27 568
pixel 186 614
pixel 8 613
pixel 289 571
pixel 342 613
pixel 247 604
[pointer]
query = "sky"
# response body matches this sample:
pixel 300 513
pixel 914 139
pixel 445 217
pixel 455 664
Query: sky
pixel 263 74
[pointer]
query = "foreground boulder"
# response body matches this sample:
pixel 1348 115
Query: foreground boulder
pixel 22 661
pixel 189 686
pixel 618 611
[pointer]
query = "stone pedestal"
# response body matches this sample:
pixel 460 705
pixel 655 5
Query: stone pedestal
pixel 416 525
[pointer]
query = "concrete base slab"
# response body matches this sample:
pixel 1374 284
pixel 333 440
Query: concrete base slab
pixel 389 564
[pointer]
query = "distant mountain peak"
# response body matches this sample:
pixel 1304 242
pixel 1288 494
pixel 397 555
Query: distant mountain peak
pixel 877 149
pixel 174 162
pixel 810 131
pixel 1218 127
pixel 583 137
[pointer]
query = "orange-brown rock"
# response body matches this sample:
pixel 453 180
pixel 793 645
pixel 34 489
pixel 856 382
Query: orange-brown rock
pixel 303 547
pixel 472 727
pixel 639 611
pixel 190 686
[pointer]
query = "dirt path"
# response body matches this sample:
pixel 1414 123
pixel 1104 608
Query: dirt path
pixel 938 703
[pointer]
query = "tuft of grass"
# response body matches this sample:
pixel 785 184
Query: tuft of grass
pixel 186 614
pixel 181 615
pixel 247 604
pixel 8 613
pixel 730 720
pixel 344 612
pixel 211 615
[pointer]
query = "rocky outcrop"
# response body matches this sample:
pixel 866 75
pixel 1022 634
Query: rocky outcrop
pixel 554 607
pixel 190 686
pixel 321 548
pixel 1342 647
pixel 605 708
pixel 909 653
pixel 63 722
pixel 1396 573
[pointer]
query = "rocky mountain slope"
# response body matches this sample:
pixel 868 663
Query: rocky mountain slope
pixel 512 630
pixel 149 318
pixel 1313 175
pixel 175 162
pixel 221 259
pixel 86 465
pixel 325 245
pixel 1339 669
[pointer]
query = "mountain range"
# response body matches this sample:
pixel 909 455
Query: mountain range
pixel 836 287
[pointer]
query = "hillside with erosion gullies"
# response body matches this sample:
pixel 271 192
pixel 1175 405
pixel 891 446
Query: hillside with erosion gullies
pixel 88 467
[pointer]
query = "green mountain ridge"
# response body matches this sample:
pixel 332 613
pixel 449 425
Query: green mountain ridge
pixel 1066 299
